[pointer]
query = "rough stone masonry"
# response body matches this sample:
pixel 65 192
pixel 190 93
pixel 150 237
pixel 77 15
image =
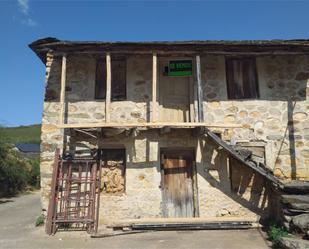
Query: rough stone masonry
pixel 277 122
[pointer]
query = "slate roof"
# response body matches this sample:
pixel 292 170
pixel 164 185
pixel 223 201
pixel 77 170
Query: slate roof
pixel 28 148
pixel 42 46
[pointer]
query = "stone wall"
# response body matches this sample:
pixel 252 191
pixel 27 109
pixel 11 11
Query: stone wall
pixel 143 197
pixel 278 119
pixel 81 105
pixel 51 136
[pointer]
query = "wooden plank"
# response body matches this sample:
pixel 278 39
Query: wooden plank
pixel 199 89
pixel 100 79
pixel 195 98
pixel 154 87
pixel 182 53
pixel 108 87
pixel 191 99
pixel 62 89
pixel 195 190
pixel 178 188
pixel 151 125
pixel 228 225
pixel 242 78
pixel 98 197
pixel 307 92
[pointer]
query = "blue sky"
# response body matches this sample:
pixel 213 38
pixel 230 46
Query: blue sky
pixel 23 21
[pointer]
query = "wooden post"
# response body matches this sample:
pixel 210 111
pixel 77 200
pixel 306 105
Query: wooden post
pixel 199 89
pixel 62 90
pixel 154 88
pixel 307 92
pixel 108 87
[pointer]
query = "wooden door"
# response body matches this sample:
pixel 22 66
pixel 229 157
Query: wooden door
pixel 177 184
pixel 175 96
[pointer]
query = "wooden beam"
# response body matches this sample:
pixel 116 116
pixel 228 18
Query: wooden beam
pixel 108 87
pixel 151 125
pixel 199 89
pixel 307 91
pixel 183 53
pixel 62 88
pixel 234 154
pixel 154 87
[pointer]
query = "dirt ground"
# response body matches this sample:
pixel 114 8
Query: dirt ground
pixel 17 230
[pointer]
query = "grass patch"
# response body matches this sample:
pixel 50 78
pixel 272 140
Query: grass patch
pixel 275 233
pixel 21 134
pixel 39 220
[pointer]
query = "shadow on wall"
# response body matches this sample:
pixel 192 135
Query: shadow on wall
pixel 238 182
pixel 289 137
pixel 234 180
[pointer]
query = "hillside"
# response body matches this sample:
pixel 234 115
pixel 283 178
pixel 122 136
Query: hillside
pixel 21 134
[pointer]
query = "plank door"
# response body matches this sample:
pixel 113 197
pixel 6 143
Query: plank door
pixel 175 96
pixel 177 185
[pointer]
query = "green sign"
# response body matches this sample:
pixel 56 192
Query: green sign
pixel 180 68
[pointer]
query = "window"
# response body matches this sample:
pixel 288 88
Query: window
pixel 118 79
pixel 241 78
pixel 113 171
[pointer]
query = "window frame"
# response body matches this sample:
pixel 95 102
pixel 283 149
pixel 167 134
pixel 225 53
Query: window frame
pixel 229 84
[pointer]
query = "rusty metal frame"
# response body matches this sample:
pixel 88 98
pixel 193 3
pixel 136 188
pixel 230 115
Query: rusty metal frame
pixel 75 195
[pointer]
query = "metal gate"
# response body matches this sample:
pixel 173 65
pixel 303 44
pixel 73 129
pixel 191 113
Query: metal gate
pixel 75 195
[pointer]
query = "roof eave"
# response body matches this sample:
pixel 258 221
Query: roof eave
pixel 42 46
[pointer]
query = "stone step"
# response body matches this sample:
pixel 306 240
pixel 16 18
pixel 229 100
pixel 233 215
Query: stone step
pixel 293 243
pixel 301 222
pixel 289 199
pixel 296 187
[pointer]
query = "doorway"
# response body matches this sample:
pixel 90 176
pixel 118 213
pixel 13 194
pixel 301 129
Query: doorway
pixel 177 174
pixel 176 95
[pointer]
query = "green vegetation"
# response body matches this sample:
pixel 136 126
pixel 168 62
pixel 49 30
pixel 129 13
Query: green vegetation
pixel 21 134
pixel 275 232
pixel 17 174
pixel 39 220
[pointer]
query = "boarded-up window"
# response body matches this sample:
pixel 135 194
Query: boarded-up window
pixel 113 171
pixel 118 66
pixel 241 78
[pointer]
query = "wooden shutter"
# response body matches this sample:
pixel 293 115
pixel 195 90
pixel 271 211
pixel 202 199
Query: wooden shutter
pixel 118 79
pixel 241 78
pixel 250 85
pixel 100 79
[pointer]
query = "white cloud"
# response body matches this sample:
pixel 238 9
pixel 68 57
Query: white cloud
pixel 29 22
pixel 23 6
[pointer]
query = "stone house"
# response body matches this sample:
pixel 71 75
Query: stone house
pixel 141 111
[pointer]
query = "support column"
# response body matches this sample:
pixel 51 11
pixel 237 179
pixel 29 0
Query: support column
pixel 199 90
pixel 62 89
pixel 154 88
pixel 307 92
pixel 108 87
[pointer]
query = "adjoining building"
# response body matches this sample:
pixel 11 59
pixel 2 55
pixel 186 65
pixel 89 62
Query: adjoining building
pixel 28 150
pixel 163 130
